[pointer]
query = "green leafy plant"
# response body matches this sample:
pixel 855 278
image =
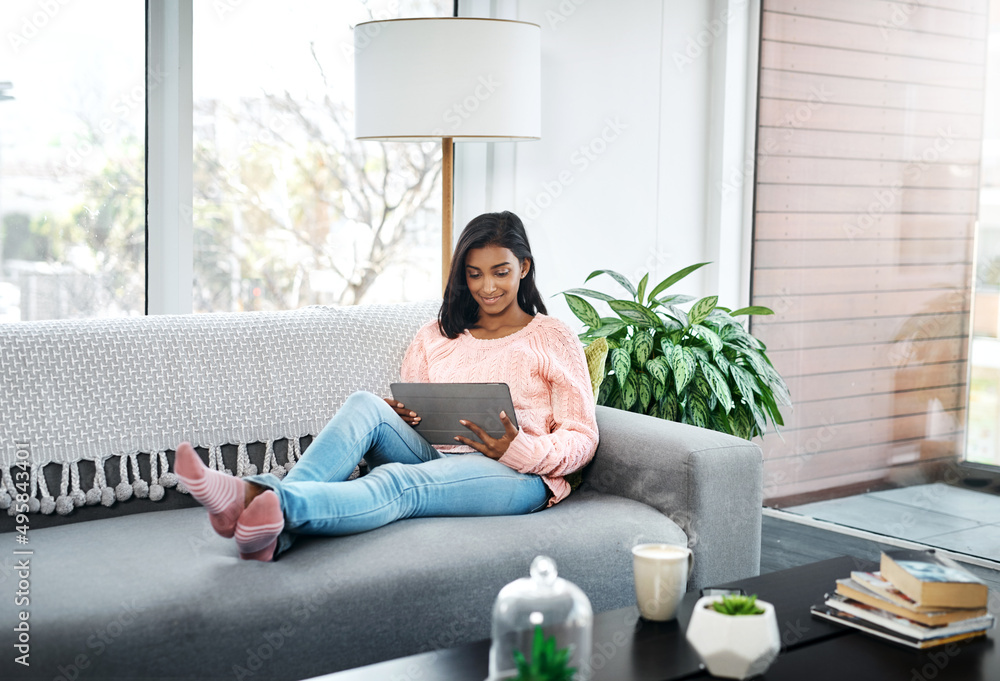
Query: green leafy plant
pixel 698 366
pixel 738 605
pixel 547 663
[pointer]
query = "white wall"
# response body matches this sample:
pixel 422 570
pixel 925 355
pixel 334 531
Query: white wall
pixel 639 128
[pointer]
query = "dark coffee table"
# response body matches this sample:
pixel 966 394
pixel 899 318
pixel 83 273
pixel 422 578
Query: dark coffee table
pixel 627 648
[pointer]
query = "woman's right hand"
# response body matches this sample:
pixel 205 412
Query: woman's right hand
pixel 410 417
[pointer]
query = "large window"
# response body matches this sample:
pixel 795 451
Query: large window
pixel 72 160
pixel 867 180
pixel 289 209
pixel 984 380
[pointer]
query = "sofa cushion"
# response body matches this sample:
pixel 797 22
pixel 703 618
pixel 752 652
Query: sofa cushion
pixel 159 594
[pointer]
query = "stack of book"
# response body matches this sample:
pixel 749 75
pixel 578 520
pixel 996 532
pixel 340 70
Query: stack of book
pixel 918 598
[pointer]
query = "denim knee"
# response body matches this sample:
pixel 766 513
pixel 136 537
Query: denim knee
pixel 369 403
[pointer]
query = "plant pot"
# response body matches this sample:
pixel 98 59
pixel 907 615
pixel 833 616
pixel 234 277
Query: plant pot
pixel 734 646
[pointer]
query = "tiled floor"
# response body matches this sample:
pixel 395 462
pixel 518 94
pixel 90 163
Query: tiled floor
pixel 936 514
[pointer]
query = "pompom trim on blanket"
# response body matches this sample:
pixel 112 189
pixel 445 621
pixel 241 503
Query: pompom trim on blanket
pixel 31 481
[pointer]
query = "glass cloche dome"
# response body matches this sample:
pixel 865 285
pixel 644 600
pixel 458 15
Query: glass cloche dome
pixel 544 600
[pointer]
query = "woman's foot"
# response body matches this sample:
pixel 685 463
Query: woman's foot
pixel 258 527
pixel 223 495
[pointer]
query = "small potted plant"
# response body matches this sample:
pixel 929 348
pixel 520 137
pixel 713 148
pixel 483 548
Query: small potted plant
pixel 548 663
pixel 736 636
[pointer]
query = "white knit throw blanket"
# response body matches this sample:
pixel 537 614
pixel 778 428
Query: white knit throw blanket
pixel 98 389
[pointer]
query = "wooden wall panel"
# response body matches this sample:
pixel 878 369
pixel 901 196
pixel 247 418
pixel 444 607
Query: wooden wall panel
pixel 781 198
pixel 834 437
pixel 867 189
pixel 854 64
pixel 866 37
pixel 818 87
pixel 950 279
pixel 793 113
pixel 790 171
pixel 822 144
pixel 770 226
pixel 843 253
pixel 955 19
pixel 828 306
pixel 919 351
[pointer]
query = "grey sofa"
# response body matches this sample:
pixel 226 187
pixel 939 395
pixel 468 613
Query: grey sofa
pixel 145 589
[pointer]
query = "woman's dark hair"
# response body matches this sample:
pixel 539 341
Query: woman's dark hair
pixel 459 310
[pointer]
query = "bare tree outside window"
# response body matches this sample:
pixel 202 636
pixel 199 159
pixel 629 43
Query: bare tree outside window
pixel 289 209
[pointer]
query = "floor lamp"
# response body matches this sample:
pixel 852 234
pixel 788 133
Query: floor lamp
pixel 448 79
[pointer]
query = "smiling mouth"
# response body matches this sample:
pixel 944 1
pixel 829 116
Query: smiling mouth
pixel 490 301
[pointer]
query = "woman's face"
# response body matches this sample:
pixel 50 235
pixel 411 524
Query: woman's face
pixel 493 275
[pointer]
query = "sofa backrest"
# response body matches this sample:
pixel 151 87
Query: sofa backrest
pixel 127 390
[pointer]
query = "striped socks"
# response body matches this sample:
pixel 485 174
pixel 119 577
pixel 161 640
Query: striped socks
pixel 218 492
pixel 258 527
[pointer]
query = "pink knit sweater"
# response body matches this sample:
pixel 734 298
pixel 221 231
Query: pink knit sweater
pixel 544 365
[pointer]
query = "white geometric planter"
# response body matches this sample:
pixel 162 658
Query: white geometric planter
pixel 734 646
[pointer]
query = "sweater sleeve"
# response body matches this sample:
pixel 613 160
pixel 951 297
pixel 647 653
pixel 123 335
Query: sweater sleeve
pixel 414 369
pixel 573 439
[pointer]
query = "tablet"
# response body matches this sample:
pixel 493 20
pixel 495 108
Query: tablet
pixel 441 405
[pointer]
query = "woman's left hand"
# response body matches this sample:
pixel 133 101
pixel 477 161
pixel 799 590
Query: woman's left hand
pixel 493 448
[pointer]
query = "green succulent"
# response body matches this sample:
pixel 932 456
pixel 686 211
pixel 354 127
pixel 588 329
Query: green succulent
pixel 738 605
pixel 698 366
pixel 547 663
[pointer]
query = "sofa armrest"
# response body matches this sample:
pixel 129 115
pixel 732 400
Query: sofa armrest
pixel 709 483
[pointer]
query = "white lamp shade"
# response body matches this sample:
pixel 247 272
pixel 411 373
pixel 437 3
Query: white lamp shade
pixel 469 79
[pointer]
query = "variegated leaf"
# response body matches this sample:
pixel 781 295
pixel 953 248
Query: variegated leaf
pixel 609 325
pixel 674 278
pixel 635 313
pixel 669 407
pixel 759 364
pixel 590 293
pixel 628 344
pixel 658 368
pixel 621 279
pixel 701 309
pixel 709 337
pixel 659 390
pixel 697 412
pixel 753 309
pixel 679 314
pixel 630 391
pixel 642 287
pixel 700 354
pixel 621 363
pixel 759 421
pixel 642 347
pixel 645 391
pixel 583 310
pixel 683 364
pixel 744 382
pixel 699 386
pixel 741 421
pixel 722 363
pixel 605 391
pixel 719 385
pixel 676 299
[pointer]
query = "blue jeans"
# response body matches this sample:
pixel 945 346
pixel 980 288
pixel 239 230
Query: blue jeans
pixel 408 478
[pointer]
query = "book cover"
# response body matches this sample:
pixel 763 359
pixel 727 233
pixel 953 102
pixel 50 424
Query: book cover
pixel 932 579
pixel 929 617
pixel 876 583
pixel 906 627
pixel 846 619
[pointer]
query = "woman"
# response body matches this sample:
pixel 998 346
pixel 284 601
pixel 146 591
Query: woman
pixel 492 328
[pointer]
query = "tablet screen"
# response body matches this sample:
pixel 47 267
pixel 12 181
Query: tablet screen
pixel 441 405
